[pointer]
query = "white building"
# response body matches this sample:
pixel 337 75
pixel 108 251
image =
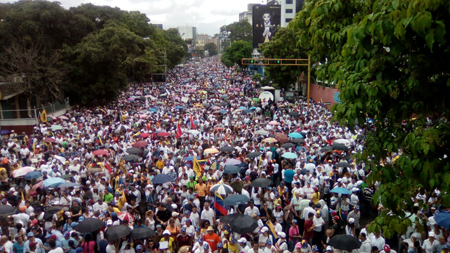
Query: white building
pixel 247 15
pixel 288 10
pixel 188 33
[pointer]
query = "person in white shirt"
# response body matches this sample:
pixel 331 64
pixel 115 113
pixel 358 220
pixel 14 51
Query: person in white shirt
pixel 430 244
pixel 251 209
pixel 208 214
pixel 366 246
pixel 7 244
pixel 387 249
pixel 100 206
pixel 376 240
pixel 53 248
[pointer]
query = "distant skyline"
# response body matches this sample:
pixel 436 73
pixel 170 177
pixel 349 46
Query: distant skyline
pixel 207 15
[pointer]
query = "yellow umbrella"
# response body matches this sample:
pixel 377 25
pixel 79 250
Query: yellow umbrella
pixel 211 151
pixel 270 140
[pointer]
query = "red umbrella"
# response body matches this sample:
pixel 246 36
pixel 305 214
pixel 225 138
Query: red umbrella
pixel 49 139
pixel 33 191
pixel 145 135
pixel 282 138
pixel 100 152
pixel 140 144
pixel 125 216
pixel 163 134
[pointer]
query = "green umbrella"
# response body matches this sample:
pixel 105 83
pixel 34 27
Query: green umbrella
pixel 256 99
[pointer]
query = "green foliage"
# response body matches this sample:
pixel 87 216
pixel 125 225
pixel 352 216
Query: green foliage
pixel 283 45
pixel 241 30
pixel 211 48
pixel 389 60
pixel 236 51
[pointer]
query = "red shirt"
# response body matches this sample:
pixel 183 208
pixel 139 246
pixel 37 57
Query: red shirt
pixel 308 225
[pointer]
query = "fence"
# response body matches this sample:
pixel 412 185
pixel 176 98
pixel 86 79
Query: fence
pixel 32 113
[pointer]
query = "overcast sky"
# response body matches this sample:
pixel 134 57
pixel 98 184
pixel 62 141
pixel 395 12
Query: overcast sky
pixel 207 15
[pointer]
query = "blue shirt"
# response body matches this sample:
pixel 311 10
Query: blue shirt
pixel 289 176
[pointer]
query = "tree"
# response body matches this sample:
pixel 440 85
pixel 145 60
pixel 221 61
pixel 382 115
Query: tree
pixel 211 48
pixel 241 30
pixel 236 51
pixel 283 45
pixel 389 60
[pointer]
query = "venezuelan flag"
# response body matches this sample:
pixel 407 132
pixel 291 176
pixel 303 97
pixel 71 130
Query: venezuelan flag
pixel 219 206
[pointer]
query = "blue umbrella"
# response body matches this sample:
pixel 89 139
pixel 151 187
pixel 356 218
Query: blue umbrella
pixel 67 185
pixel 295 135
pixel 223 111
pixel 442 219
pixel 289 155
pixel 341 190
pixel 191 158
pixel 161 179
pixel 5 131
pixel 243 108
pixel 179 107
pixel 33 175
pixel 231 169
pixel 253 108
pixel 153 110
pixel 224 96
pixel 247 111
pixel 236 199
pixel 53 182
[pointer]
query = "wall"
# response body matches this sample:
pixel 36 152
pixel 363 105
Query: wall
pixel 324 94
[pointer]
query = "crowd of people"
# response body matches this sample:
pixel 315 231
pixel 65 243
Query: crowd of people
pixel 156 167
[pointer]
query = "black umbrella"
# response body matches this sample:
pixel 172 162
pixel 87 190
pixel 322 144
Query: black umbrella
pixel 261 182
pixel 89 225
pixel 343 164
pixel 298 140
pixel 130 158
pixel 117 232
pixel 326 149
pixel 7 210
pixel 134 151
pixel 231 217
pixel 254 154
pixel 237 186
pixel 288 145
pixel 236 199
pixel 161 179
pixel 166 123
pixel 294 114
pixel 339 147
pixel 227 149
pixel 51 211
pixel 205 146
pixel 231 169
pixel 244 224
pixel 345 242
pixel 141 233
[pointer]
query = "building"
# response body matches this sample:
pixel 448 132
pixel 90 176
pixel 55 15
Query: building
pixel 160 26
pixel 188 33
pixel 216 40
pixel 247 15
pixel 288 10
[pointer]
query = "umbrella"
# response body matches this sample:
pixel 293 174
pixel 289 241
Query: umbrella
pixel 68 185
pixel 89 225
pixel 262 132
pixel 232 162
pixel 63 117
pixel 326 149
pixel 282 137
pixel 442 219
pixel 4 131
pixel 289 155
pixel 237 186
pixel 274 123
pixel 65 176
pixel 60 158
pixel 294 114
pixel 231 169
pixel 298 140
pixel 288 145
pixel 49 139
pixel 230 218
pixel 205 146
pixel 100 152
pixel 227 149
pixel 33 175
pixel 345 242
pixel 191 158
pixel 254 154
pixel 236 199
pixel 340 190
pixel 343 164
pixel 117 232
pixel 242 108
pixel 7 210
pixel 243 224
pixel 142 233
pixel 211 151
pixel 125 216
pixel 51 211
pixel 222 189
pixel 163 134
pixel 53 182
pixel 130 158
pixel 295 135
pixel 261 182
pixel 57 128
pixel 165 123
pixel 179 107
pixel 339 147
pixel 134 151
pixel 140 144
pixel 145 135
pixel 20 172
pixel 270 140
pixel 161 179
pixel 35 187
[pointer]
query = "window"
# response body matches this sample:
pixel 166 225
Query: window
pixel 289 1
pixel 289 10
pixel 288 20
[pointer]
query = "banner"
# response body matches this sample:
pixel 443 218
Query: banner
pixel 266 22
pixel 196 166
pixel 43 116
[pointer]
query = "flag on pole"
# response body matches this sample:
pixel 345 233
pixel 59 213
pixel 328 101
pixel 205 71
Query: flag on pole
pixel 219 206
pixel 196 166
pixel 192 123
pixel 43 116
pixel 179 133
pixel 272 229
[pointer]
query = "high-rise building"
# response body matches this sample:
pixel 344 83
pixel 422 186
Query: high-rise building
pixel 288 10
pixel 188 33
pixel 247 15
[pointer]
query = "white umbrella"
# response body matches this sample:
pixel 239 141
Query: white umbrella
pixel 222 189
pixel 20 172
pixel 262 132
pixel 342 141
pixel 60 158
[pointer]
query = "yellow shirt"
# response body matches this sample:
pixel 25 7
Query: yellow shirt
pixel 170 243
pixel 232 248
pixel 315 198
pixel 201 190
